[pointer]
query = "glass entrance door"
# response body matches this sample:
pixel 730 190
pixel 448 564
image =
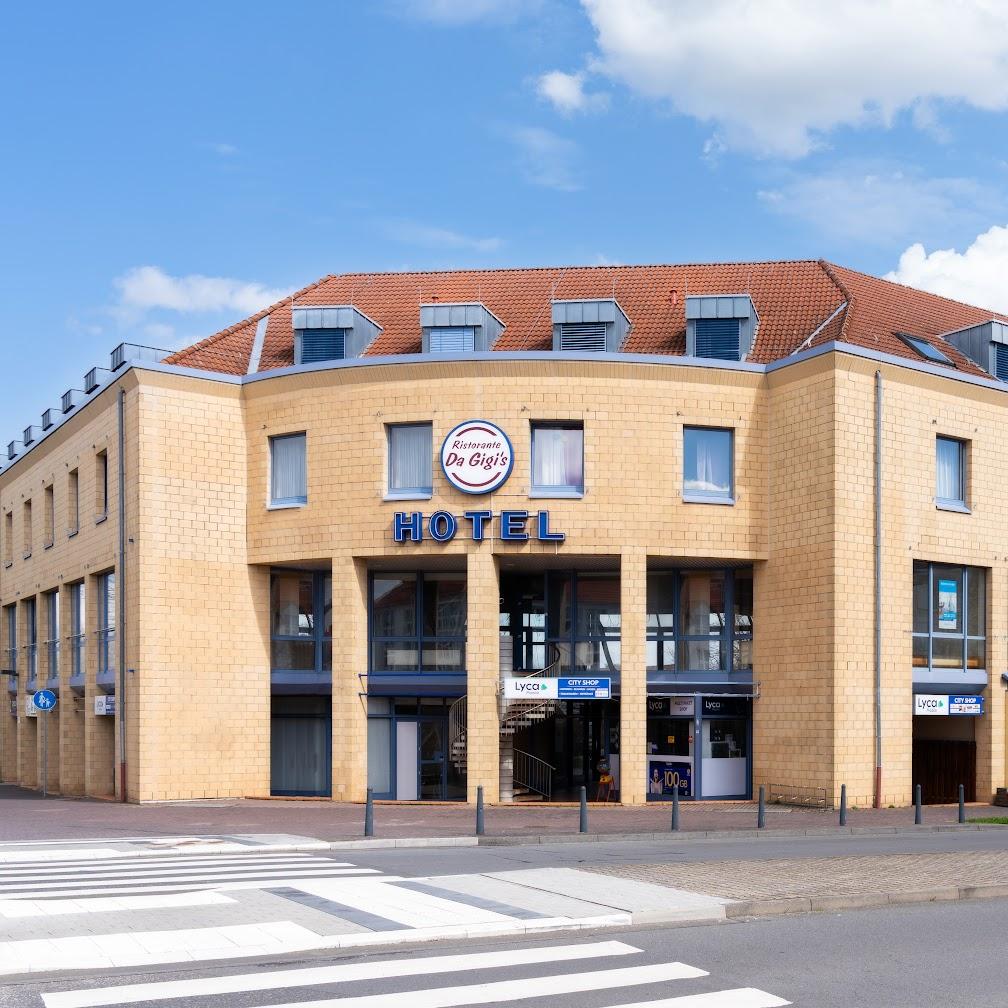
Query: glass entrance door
pixel 433 733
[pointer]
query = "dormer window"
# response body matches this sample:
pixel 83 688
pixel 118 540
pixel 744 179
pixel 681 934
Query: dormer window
pixel 330 333
pixel 589 326
pixel 720 326
pixel 458 328
pixel 985 344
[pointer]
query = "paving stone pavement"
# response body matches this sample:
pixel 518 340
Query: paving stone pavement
pixel 818 877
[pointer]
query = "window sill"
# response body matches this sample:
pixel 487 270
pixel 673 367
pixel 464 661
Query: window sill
pixel 8 564
pixel 948 505
pixel 72 532
pixel 693 498
pixel 556 493
pixel 48 545
pixel 403 495
pixel 27 556
pixel 286 505
pixel 101 518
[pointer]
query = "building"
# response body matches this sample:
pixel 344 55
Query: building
pixel 637 529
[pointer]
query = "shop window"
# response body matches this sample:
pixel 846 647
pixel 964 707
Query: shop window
pixel 288 470
pixel 700 621
pixel 410 450
pixel 418 622
pixel 106 623
pixel 558 459
pixel 950 465
pixel 949 616
pixel 708 465
pixel 73 502
pixel 583 621
pixel 301 621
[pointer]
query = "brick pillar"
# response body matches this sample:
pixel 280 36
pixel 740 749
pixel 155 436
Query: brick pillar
pixel 350 657
pixel 483 673
pixel 70 708
pixel 633 677
pixel 991 728
pixel 48 730
pixel 28 765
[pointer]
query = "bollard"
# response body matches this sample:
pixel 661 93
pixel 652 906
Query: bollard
pixel 962 804
pixel 843 804
pixel 761 813
pixel 480 825
pixel 369 814
pixel 583 824
pixel 918 816
pixel 675 810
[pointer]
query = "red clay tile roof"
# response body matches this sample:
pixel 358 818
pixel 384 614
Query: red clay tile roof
pixel 800 304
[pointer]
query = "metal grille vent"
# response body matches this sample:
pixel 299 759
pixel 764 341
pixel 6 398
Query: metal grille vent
pixel 91 381
pixel 588 337
pixel 322 345
pixel 47 419
pixel 1001 361
pixel 718 338
pixel 452 339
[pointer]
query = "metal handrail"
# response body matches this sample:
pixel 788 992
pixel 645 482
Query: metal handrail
pixel 517 710
pixel 533 773
pixel 457 723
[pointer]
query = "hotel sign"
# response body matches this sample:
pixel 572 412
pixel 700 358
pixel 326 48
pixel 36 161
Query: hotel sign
pixel 477 457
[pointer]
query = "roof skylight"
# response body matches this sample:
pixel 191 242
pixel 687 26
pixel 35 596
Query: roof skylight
pixel 927 350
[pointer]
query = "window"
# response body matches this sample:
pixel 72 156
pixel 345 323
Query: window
pixel 1001 361
pixel 558 459
pixel 718 338
pixel 288 470
pixel 31 642
pixel 53 634
pixel 708 465
pixel 27 528
pixel 73 502
pixel 927 350
pixel 452 339
pixel 950 481
pixel 319 345
pixel 418 622
pixel 12 648
pixel 106 623
pixel 410 450
pixel 8 538
pixel 78 637
pixel 700 621
pixel 101 485
pixel 949 616
pixel 49 516
pixel 299 642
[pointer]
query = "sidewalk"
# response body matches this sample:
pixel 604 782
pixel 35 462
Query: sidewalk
pixel 25 816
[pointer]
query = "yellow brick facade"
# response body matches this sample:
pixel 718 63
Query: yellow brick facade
pixel 200 542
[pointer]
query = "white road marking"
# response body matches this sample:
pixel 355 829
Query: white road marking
pixel 56 907
pixel 740 997
pixel 155 865
pixel 344 973
pixel 512 990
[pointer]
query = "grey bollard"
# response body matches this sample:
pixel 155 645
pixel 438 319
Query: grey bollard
pixel 480 824
pixel 761 813
pixel 369 814
pixel 962 804
pixel 918 816
pixel 843 804
pixel 675 810
pixel 583 824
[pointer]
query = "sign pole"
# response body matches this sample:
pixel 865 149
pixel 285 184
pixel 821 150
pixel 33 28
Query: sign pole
pixel 45 753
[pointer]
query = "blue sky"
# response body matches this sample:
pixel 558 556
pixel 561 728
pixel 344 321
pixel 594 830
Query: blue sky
pixel 166 170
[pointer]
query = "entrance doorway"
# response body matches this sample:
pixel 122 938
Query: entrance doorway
pixel 944 756
pixel 301 746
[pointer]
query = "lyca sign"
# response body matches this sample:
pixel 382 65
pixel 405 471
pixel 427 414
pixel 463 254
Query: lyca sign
pixel 562 688
pixel 443 526
pixel 939 705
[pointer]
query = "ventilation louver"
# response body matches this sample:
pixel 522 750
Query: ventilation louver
pixel 718 338
pixel 586 337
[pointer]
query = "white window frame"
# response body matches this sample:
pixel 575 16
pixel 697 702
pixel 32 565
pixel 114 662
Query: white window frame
pixel 957 504
pixel 544 490
pixel 693 496
pixel 407 493
pixel 283 503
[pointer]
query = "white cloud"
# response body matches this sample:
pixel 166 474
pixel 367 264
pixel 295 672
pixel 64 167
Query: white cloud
pixel 976 276
pixel 545 159
pixel 878 204
pixel 566 92
pixel 778 75
pixel 414 233
pixel 459 12
pixel 224 149
pixel 148 287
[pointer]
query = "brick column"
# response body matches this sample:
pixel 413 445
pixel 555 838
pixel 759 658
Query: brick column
pixel 71 708
pixel 49 729
pixel 28 765
pixel 350 657
pixel 483 673
pixel 633 677
pixel 991 728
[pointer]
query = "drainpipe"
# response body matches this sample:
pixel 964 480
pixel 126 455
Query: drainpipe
pixel 121 586
pixel 878 589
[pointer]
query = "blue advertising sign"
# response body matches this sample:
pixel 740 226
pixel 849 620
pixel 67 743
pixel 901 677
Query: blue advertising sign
pixel 584 689
pixel 969 705
pixel 664 777
pixel 44 699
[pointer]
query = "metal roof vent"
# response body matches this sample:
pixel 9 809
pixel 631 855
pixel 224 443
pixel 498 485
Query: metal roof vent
pixel 330 332
pixel 589 326
pixel 465 327
pixel 12 452
pixel 91 379
pixel 136 352
pixel 72 399
pixel 30 435
pixel 47 420
pixel 720 326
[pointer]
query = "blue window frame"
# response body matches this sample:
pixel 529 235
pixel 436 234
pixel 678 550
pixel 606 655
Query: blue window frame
pixel 31 644
pixel 708 465
pixel 301 626
pixel 700 621
pixel 950 473
pixel 106 625
pixel 718 338
pixel 12 647
pixel 410 451
pixel 417 622
pixel 78 634
pixel 949 616
pixel 53 638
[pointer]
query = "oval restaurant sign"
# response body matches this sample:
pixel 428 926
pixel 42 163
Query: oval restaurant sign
pixel 477 457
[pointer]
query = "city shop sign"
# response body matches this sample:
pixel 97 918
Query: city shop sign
pixel 477 457
pixel 443 526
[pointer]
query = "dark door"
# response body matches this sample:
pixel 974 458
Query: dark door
pixel 432 741
pixel 940 766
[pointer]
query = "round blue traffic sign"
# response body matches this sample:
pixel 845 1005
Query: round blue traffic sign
pixel 44 699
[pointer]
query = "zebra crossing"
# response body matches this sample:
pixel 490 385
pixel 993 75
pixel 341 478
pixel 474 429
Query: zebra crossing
pixel 620 973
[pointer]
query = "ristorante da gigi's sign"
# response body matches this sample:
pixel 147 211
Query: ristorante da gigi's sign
pixel 477 458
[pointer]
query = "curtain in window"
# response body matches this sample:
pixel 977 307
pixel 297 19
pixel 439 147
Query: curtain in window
pixel 410 451
pixel 557 457
pixel 289 477
pixel 949 466
pixel 707 461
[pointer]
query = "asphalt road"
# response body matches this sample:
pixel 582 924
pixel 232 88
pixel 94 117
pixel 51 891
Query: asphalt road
pixel 936 954
pixel 424 861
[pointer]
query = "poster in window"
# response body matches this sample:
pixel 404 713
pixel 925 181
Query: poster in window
pixel 664 778
pixel 948 605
